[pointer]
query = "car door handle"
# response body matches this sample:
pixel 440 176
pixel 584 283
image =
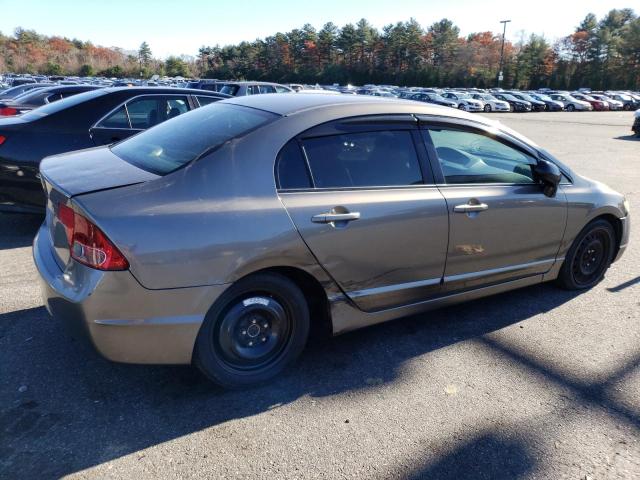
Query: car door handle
pixel 335 217
pixel 470 208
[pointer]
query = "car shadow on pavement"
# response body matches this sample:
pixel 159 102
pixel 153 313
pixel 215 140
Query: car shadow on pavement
pixel 632 138
pixel 18 230
pixel 64 409
pixel 486 456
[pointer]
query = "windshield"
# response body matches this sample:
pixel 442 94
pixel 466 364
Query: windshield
pixel 463 95
pixel 487 97
pixel 63 104
pixel 506 96
pixel 545 98
pixel 174 143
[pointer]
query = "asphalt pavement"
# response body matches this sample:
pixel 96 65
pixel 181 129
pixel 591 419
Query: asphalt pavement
pixel 536 383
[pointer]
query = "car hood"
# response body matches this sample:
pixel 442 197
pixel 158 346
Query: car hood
pixel 91 170
pixel 636 114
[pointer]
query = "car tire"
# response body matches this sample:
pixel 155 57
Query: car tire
pixel 626 107
pixel 462 107
pixel 511 109
pixel 570 108
pixel 589 257
pixel 487 108
pixel 255 330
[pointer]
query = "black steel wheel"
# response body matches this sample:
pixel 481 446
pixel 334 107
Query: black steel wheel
pixel 589 257
pixel 257 328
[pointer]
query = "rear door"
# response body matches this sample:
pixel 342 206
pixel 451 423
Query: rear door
pixel 362 196
pixel 502 226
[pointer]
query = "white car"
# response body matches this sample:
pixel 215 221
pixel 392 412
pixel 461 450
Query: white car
pixel 465 101
pixel 571 103
pixel 491 103
pixel 636 123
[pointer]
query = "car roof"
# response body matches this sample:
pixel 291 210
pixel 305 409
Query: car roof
pixel 143 90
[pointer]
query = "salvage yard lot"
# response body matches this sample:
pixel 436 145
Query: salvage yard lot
pixel 536 383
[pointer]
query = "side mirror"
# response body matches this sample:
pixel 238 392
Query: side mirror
pixel 549 175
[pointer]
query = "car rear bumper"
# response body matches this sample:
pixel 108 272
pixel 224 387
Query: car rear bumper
pixel 124 321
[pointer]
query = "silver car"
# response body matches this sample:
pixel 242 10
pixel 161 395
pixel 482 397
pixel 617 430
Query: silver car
pixel 225 236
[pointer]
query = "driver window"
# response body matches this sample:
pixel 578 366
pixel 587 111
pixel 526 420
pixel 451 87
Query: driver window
pixel 468 157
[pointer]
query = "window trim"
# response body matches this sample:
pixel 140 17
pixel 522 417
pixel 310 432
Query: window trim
pixel 120 105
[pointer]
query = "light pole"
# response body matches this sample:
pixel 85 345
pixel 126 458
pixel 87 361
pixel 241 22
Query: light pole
pixel 504 31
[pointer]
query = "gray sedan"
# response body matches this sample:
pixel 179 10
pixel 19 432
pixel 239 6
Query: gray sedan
pixel 227 236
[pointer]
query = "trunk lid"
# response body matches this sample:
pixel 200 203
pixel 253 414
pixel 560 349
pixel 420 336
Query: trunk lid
pixel 68 175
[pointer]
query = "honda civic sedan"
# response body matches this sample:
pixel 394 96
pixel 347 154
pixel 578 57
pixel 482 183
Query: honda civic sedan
pixel 223 237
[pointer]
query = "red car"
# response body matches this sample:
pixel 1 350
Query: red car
pixel 596 104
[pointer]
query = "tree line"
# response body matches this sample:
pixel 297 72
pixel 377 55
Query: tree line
pixel 600 53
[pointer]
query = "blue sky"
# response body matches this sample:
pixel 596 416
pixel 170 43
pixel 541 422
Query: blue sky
pixel 182 26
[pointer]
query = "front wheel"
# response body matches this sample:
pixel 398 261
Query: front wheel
pixel 511 108
pixel 461 107
pixel 570 108
pixel 589 257
pixel 487 108
pixel 257 328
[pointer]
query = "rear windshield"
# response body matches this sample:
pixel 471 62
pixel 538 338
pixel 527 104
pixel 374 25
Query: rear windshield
pixel 172 144
pixel 71 101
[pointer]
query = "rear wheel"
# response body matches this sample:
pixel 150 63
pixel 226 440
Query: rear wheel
pixel 258 327
pixel 570 108
pixel 511 108
pixel 589 257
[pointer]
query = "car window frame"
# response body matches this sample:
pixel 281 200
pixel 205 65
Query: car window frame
pixel 190 104
pixel 361 124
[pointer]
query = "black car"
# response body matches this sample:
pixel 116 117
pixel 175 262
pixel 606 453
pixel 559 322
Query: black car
pixel 14 92
pixel 41 96
pixel 433 98
pixel 536 105
pixel 516 104
pixel 98 117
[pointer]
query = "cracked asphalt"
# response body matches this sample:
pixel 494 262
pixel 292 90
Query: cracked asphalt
pixel 537 383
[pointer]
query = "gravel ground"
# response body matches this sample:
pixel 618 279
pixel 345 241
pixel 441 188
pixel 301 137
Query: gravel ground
pixel 537 383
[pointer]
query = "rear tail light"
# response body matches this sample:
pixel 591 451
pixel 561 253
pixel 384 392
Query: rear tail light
pixel 2 139
pixel 88 244
pixel 7 111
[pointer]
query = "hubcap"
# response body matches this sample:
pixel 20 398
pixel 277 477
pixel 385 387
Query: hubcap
pixel 253 332
pixel 591 257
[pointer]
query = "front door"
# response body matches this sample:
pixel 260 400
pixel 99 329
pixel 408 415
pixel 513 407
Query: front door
pixel 367 208
pixel 502 226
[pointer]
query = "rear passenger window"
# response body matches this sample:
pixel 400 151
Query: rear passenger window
pixel 371 159
pixel 292 170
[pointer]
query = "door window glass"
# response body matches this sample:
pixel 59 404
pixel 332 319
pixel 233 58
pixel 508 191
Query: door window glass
pixel 117 119
pixel 143 113
pixel 202 100
pixel 383 158
pixel 267 89
pixel 468 157
pixel 292 168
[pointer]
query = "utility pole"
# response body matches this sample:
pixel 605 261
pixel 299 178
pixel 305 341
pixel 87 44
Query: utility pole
pixel 504 31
